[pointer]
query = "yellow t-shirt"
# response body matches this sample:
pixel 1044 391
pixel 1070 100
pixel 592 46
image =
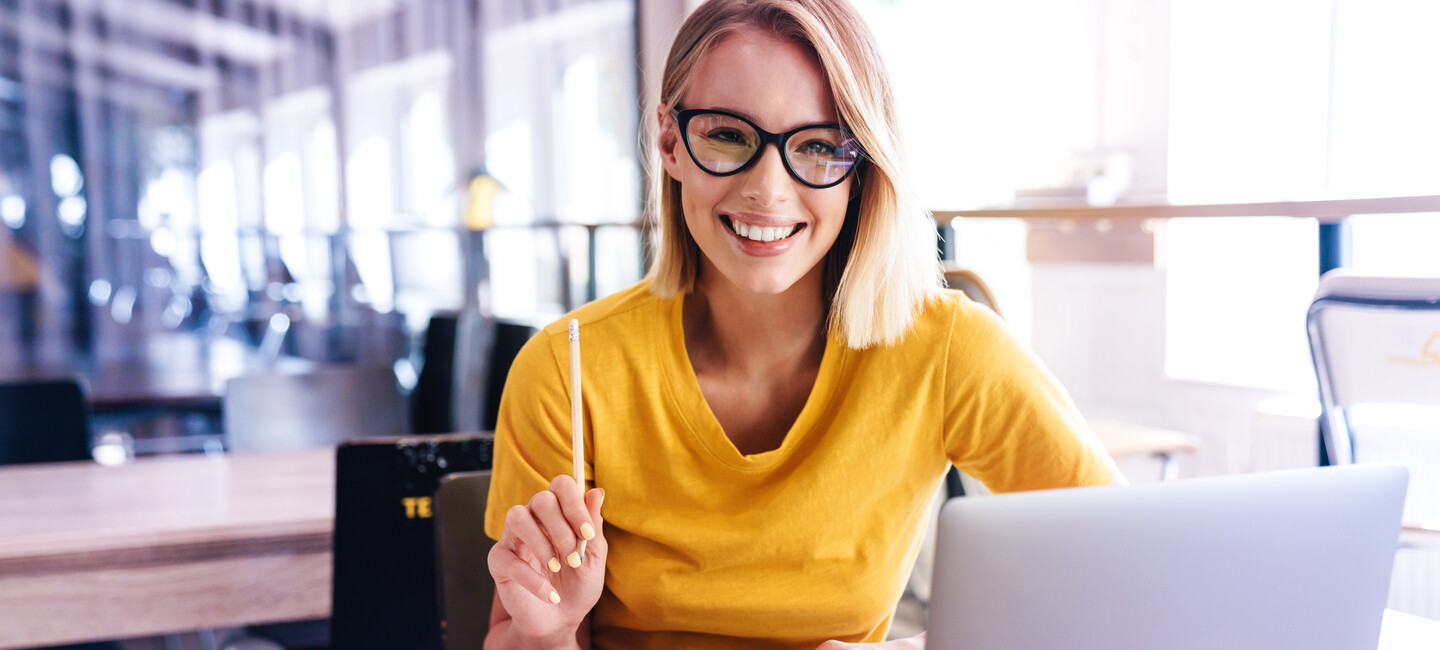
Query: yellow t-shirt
pixel 814 540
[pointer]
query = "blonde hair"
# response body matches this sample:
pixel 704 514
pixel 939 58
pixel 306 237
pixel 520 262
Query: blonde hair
pixel 883 266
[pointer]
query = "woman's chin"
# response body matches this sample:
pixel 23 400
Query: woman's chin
pixel 769 285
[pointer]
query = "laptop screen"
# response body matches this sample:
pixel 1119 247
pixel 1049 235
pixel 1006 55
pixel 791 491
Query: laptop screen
pixel 1295 559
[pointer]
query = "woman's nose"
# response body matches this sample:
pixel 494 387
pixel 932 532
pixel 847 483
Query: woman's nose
pixel 767 182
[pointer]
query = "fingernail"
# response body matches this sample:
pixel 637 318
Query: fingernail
pixel 574 560
pixel 554 565
pixel 587 531
pixel 554 596
pixel 602 495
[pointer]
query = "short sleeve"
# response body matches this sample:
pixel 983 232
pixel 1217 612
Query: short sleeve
pixel 532 433
pixel 1008 422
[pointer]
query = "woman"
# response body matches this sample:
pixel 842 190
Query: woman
pixel 769 413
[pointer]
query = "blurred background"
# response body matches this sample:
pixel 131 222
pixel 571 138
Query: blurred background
pixel 198 190
pixel 184 166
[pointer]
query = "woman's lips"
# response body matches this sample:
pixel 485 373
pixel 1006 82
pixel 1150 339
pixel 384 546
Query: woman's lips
pixel 757 248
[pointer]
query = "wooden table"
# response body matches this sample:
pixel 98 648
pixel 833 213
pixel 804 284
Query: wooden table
pixel 163 545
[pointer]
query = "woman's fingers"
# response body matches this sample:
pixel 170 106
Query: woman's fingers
pixel 520 522
pixel 593 500
pixel 535 562
pixel 546 508
pixel 541 542
pixel 509 569
pixel 555 525
pixel 573 506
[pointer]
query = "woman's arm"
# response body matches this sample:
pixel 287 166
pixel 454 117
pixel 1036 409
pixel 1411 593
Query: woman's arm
pixel 1007 421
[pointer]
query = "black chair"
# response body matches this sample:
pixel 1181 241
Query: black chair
pixel 509 338
pixel 43 422
pixel 431 401
pixel 481 350
pixel 385 590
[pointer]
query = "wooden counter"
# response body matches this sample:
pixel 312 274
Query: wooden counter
pixel 163 545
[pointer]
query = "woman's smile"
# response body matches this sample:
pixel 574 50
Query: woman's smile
pixel 761 236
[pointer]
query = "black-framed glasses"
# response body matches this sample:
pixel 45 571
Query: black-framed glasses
pixel 723 144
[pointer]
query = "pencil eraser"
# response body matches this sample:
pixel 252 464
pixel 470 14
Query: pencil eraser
pixel 574 329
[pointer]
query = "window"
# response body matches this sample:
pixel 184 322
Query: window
pixel 301 191
pixel 1237 291
pixel 561 138
pixel 1301 102
pixel 228 191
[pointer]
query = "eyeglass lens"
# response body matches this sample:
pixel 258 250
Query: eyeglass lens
pixel 818 156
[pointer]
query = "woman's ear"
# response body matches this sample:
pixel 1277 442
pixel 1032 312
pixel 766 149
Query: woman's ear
pixel 668 141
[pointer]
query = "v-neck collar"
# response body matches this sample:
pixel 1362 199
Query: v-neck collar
pixel 683 387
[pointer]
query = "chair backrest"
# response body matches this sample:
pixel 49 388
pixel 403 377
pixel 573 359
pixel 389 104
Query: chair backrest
pixel 462 551
pixel 267 412
pixel 484 351
pixel 1374 340
pixel 969 283
pixel 385 591
pixel 43 422
pixel 431 402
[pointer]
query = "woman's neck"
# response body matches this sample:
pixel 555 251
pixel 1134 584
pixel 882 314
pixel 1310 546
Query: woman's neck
pixel 731 330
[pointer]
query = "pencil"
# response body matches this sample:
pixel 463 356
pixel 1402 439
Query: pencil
pixel 577 432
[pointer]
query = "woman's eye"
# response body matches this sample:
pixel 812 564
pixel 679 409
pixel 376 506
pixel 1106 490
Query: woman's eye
pixel 817 148
pixel 727 136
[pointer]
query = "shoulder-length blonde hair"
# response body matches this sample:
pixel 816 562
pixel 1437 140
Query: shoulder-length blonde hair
pixel 883 266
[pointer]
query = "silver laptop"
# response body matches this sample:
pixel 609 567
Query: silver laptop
pixel 1296 559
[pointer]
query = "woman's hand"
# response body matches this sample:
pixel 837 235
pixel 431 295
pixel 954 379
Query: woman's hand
pixel 912 643
pixel 546 587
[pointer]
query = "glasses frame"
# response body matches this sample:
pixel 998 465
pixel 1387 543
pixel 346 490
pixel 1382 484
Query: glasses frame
pixel 682 119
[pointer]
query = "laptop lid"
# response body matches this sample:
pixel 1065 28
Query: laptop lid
pixel 1294 559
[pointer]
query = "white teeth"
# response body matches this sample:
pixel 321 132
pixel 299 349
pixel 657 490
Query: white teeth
pixel 762 233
